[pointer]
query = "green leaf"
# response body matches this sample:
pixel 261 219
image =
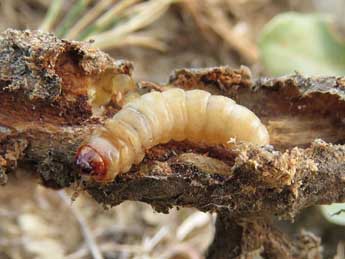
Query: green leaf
pixel 304 43
pixel 334 213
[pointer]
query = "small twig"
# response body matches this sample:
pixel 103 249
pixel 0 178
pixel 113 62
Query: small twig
pixel 89 239
pixel 51 16
pixel 88 18
pixel 196 220
pixel 118 230
pixel 150 243
pixel 77 9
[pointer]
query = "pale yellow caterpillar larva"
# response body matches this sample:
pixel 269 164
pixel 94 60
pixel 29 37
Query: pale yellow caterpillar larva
pixel 159 117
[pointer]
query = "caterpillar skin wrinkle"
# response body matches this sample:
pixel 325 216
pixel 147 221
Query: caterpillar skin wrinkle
pixel 158 117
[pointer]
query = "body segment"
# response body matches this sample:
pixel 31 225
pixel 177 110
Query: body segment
pixel 156 118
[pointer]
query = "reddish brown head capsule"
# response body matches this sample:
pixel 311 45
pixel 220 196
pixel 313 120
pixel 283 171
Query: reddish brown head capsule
pixel 90 162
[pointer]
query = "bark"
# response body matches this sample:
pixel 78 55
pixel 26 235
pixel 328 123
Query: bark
pixel 250 237
pixel 46 111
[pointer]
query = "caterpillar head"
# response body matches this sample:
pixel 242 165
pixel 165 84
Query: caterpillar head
pixel 91 163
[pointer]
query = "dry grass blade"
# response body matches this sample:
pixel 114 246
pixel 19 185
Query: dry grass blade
pixel 150 243
pixel 195 8
pixel 89 239
pixel 210 17
pixel 137 40
pixel 90 16
pixel 220 25
pixel 152 11
pixel 196 220
pixel 71 17
pixel 117 10
pixel 51 16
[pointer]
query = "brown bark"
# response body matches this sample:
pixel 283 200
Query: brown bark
pixel 250 237
pixel 46 112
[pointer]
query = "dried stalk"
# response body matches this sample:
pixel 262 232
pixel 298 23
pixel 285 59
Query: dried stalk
pixel 88 18
pixel 140 40
pixel 74 13
pixel 108 18
pixel 51 16
pixel 152 11
pixel 87 234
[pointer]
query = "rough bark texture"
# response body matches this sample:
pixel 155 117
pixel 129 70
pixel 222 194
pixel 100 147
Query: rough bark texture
pixel 46 112
pixel 250 237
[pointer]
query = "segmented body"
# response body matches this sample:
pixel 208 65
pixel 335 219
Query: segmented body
pixel 159 117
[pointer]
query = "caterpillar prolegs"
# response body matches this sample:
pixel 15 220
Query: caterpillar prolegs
pixel 159 117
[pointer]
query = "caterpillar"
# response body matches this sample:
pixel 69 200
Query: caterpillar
pixel 158 117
